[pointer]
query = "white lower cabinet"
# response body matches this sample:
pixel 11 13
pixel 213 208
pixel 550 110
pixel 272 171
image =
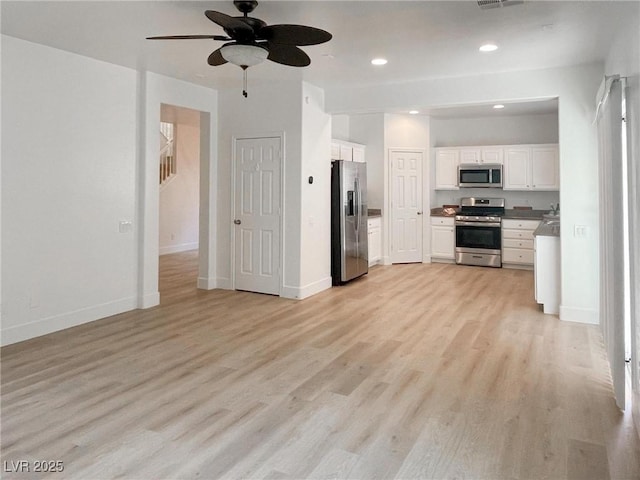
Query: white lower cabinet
pixel 517 242
pixel 374 228
pixel 547 273
pixel 443 238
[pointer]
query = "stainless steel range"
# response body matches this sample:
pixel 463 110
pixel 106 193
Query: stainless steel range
pixel 479 232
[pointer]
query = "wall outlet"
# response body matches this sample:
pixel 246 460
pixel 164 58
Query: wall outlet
pixel 580 231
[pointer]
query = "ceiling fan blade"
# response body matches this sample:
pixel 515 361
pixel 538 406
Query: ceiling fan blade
pixel 287 55
pixel 216 58
pixel 189 37
pixel 294 35
pixel 228 22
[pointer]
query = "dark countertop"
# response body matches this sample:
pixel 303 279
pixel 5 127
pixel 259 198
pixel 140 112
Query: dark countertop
pixel 444 212
pixel 548 228
pixel 509 213
pixel 524 214
pixel 374 212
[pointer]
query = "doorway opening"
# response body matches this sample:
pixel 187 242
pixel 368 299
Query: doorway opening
pixel 179 192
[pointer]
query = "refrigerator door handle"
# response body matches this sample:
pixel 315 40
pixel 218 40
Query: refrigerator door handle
pixel 357 204
pixel 350 203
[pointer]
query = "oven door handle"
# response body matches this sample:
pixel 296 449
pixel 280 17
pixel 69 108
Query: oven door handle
pixel 477 224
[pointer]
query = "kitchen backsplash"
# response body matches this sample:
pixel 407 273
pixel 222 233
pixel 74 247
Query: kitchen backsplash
pixel 536 200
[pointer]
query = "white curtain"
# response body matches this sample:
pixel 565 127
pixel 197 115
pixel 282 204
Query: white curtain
pixel 612 298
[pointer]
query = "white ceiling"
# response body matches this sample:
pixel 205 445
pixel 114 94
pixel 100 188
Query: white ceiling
pixel 421 39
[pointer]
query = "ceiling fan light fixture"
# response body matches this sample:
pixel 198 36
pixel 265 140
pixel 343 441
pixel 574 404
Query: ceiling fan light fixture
pixel 244 55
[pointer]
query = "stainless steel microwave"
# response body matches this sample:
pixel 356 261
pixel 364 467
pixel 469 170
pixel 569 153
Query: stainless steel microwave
pixel 483 175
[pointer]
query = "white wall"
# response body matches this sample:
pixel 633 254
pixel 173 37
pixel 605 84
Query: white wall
pixel 494 130
pixel 368 129
pixel 315 251
pixel 407 132
pixel 68 180
pixel 267 111
pixel 575 87
pixel 80 187
pixel 179 197
pixel 153 91
pixel 340 127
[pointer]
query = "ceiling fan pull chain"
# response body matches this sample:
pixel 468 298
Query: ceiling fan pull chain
pixel 244 82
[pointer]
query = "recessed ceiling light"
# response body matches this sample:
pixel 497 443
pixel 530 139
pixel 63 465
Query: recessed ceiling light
pixel 379 61
pixel 414 112
pixel 488 47
pixel 498 106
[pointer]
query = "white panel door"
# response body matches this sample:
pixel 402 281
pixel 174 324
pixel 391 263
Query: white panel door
pixel 406 206
pixel 257 215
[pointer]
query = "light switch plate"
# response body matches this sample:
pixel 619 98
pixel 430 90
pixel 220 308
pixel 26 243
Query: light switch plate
pixel 125 226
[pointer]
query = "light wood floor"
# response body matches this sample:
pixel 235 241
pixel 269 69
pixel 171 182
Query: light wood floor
pixel 414 371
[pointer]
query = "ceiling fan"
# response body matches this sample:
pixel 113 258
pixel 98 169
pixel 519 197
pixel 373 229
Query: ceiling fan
pixel 251 40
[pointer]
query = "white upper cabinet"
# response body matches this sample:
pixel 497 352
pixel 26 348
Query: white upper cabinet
pixel 470 155
pixel 492 155
pixel 358 154
pixel 335 150
pixel 341 150
pixel 517 168
pixel 447 161
pixel 482 155
pixel 545 168
pixel 526 167
pixel 532 167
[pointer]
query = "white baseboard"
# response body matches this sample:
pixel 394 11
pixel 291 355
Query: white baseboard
pixel 183 247
pixel 205 283
pixel 579 315
pixel 149 300
pixel 63 321
pixel 299 293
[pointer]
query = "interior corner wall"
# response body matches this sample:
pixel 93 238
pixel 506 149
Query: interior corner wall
pixel 575 87
pixel 158 90
pixel 69 151
pixel 267 111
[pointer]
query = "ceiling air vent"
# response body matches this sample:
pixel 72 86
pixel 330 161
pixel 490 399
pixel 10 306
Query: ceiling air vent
pixel 486 4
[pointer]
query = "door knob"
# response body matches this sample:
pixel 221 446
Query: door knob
pixel 419 213
pixel 237 222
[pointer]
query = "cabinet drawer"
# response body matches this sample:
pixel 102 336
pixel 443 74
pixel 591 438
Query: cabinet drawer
pixel 442 221
pixel 517 234
pixel 517 243
pixel 517 255
pixel 520 224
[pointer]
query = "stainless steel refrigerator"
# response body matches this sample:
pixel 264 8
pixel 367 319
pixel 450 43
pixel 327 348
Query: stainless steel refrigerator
pixel 349 249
